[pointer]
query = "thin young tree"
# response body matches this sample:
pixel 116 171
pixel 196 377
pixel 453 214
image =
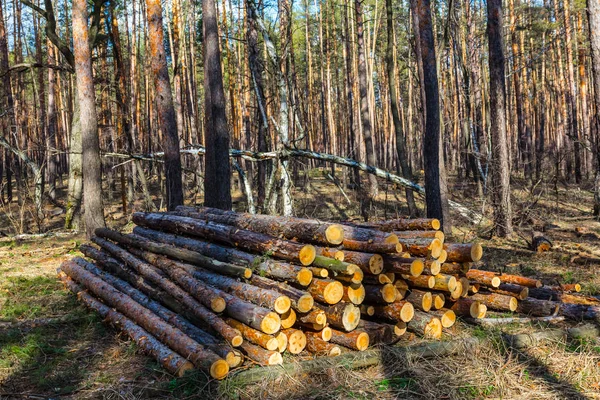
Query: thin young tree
pixel 593 13
pixel 217 178
pixel 164 104
pixel 499 157
pixel 92 167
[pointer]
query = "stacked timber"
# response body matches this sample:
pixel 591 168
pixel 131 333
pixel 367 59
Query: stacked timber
pixel 208 289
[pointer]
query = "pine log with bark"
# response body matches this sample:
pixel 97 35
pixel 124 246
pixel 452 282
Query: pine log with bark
pixel 356 340
pixel 380 294
pixel 338 267
pixel 301 301
pixel 426 325
pixel 343 316
pixel 326 290
pixel 447 317
pixel 315 316
pixel 319 347
pixel 465 307
pixel 405 266
pixel 371 247
pixel 296 340
pixel 180 342
pixel 397 311
pixel 496 301
pixel 538 308
pixel 369 263
pixel 260 355
pixel 454 268
pixel 463 252
pixel 354 293
pixel 518 291
pixel 420 300
pixel 484 277
pixel 254 336
pixel 244 239
pixel 424 247
pixel 401 224
pixel 421 281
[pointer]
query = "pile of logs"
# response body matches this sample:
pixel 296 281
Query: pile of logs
pixel 206 288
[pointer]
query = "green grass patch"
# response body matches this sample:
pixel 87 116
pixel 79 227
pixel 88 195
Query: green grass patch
pixel 27 298
pixel 395 383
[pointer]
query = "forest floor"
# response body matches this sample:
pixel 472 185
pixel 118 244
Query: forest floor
pixel 52 346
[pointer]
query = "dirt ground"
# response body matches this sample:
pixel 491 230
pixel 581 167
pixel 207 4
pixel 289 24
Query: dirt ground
pixel 53 347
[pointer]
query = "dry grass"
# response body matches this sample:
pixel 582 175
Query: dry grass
pixel 84 358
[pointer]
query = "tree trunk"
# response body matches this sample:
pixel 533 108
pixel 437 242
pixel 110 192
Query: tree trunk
pixel 593 13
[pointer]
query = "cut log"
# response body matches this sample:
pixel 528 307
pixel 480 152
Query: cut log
pixel 369 263
pixel 579 312
pixel 254 336
pixel 288 319
pixel 465 283
pixel 233 357
pixel 454 268
pixel 301 229
pixel 340 268
pixel 398 311
pixel 446 283
pixel 547 293
pixel 495 301
pixel 361 234
pixel 354 294
pixel 271 268
pixel 405 266
pixel 296 340
pixel 381 279
pixel 423 247
pixel 380 294
pixel 173 252
pixel 420 300
pixel 539 242
pixel 486 278
pixel 324 334
pixel 369 311
pixel 169 359
pixel 465 307
pixel 265 298
pixel 423 224
pixel 260 355
pixel 518 291
pixel 482 311
pixel 438 301
pixel 568 287
pixel 515 320
pixel 173 337
pixel 463 252
pixel 414 234
pixel 372 247
pixel 521 280
pixel 326 290
pixel 378 333
pixel 457 292
pixel 241 238
pixel 319 272
pixel 316 316
pixel 301 301
pixel 474 287
pixel 447 317
pixel 422 281
pixel 400 329
pixel 343 316
pixel 356 340
pixel 155 276
pixel 281 342
pixel 537 308
pixel 320 347
pixel 426 325
pixel 443 257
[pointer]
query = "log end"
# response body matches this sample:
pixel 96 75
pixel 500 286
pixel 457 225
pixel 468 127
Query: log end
pixel 448 319
pixel 435 224
pixel 305 303
pixel 333 292
pixel 417 267
pixel 427 301
pixel 400 293
pixel 475 308
pixel 186 366
pixel 270 323
pixel 335 351
pixel 339 255
pixel 400 328
pixel 219 369
pixel 440 235
pixel 362 341
pixel 476 252
pixel 357 275
pixel 376 264
pixel 399 248
pixel 272 344
pixel 351 317
pixel 247 273
pixel 321 319
pixel 524 293
pixel 407 312
pixel 357 294
pixel 453 284
pixel 304 276
pixel 334 234
pixel 218 304
pixel 282 342
pixel 433 329
pixel 296 341
pixel 307 254
pixel 435 267
pixel 282 304
pixel 457 292
pixel 388 293
pixel 496 282
pixel 288 319
pixel 367 310
pixel 275 359
pixel 326 334
pixel 234 358
pixel 431 282
pixel 443 256
pixel 513 303
pixel 391 238
pixel 482 311
pixel 237 340
pixel 436 247
pixel 438 301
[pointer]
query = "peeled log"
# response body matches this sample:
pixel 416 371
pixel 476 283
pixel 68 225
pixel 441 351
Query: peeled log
pixel 167 358
pixel 496 301
pixel 320 347
pixel 241 238
pixel 356 340
pixel 272 268
pixel 296 340
pixel 423 247
pixel 420 300
pixel 398 311
pixel 254 336
pixel 260 355
pixel 518 291
pixel 380 294
pixel 484 277
pixel 326 290
pixel 343 316
pixel 369 263
pixel 155 276
pixel 426 325
pixel 140 242
pixel 463 252
pixel 233 357
pixel 415 224
pixel 173 337
pixel 538 308
pixel 301 301
pixel 402 265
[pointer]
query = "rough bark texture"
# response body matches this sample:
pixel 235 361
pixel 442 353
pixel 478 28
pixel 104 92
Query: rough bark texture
pixel 397 311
